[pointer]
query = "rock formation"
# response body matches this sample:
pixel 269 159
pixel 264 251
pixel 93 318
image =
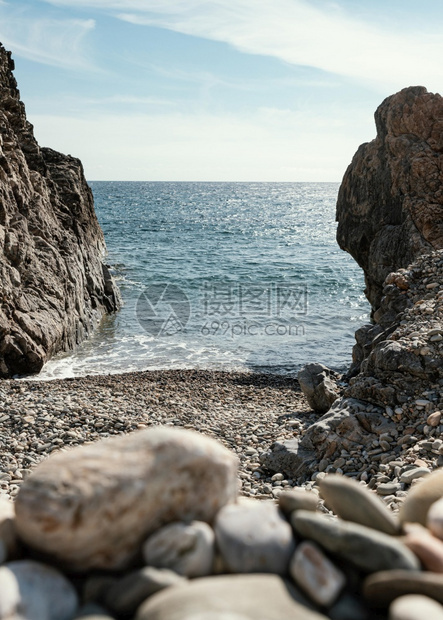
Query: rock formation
pixel 390 203
pixel 386 427
pixel 54 286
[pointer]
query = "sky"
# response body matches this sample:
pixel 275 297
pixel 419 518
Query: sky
pixel 216 90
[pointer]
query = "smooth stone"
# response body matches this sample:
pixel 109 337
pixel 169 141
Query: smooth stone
pixel 254 537
pixel 420 498
pixel 380 589
pixel 412 474
pixel 415 607
pixel 353 502
pixel 387 488
pixel 434 520
pixel 186 548
pixel 129 592
pixel 297 499
pixel 30 590
pixel 426 547
pixel 434 419
pixel 8 538
pixel 229 597
pixel 364 547
pixel 316 575
pixel 94 506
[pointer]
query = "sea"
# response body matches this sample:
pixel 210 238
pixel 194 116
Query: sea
pixel 222 276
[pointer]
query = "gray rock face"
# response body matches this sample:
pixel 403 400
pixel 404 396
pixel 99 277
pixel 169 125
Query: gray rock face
pixel 54 287
pixel 346 426
pixel 317 384
pixel 390 208
pixel 288 457
pixel 254 537
pixel 93 506
pixel 30 590
pixel 233 597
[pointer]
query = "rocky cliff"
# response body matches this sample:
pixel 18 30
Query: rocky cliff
pixel 390 203
pixel 386 425
pixel 54 286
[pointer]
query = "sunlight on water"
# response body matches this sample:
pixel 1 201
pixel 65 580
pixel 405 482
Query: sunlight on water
pixel 223 276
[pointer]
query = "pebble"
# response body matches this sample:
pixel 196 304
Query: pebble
pixel 297 499
pixel 229 597
pixel 186 548
pixel 381 588
pixel 364 547
pixel 415 607
pixel 412 474
pixel 254 537
pixel 388 488
pixel 86 409
pixel 353 502
pixel 316 574
pixel 93 506
pixel 30 590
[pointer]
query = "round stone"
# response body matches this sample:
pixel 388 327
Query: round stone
pixel 30 589
pixel 93 506
pixel 254 537
pixel 186 548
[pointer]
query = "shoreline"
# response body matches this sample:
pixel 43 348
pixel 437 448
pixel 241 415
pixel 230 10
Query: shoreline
pixel 246 411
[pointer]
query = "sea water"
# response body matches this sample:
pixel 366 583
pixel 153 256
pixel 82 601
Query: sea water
pixel 231 276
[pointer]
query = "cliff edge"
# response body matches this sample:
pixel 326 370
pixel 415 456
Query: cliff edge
pixel 54 287
pixel 390 203
pixel 385 427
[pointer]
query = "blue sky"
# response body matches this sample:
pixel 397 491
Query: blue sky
pixel 217 90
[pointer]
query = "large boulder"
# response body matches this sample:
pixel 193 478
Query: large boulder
pixel 54 286
pixel 390 203
pixel 94 506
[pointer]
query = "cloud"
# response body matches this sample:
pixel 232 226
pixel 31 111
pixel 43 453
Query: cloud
pixel 270 145
pixel 55 42
pixel 296 32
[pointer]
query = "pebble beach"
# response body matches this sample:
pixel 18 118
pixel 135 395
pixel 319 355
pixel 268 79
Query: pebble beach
pixel 246 412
